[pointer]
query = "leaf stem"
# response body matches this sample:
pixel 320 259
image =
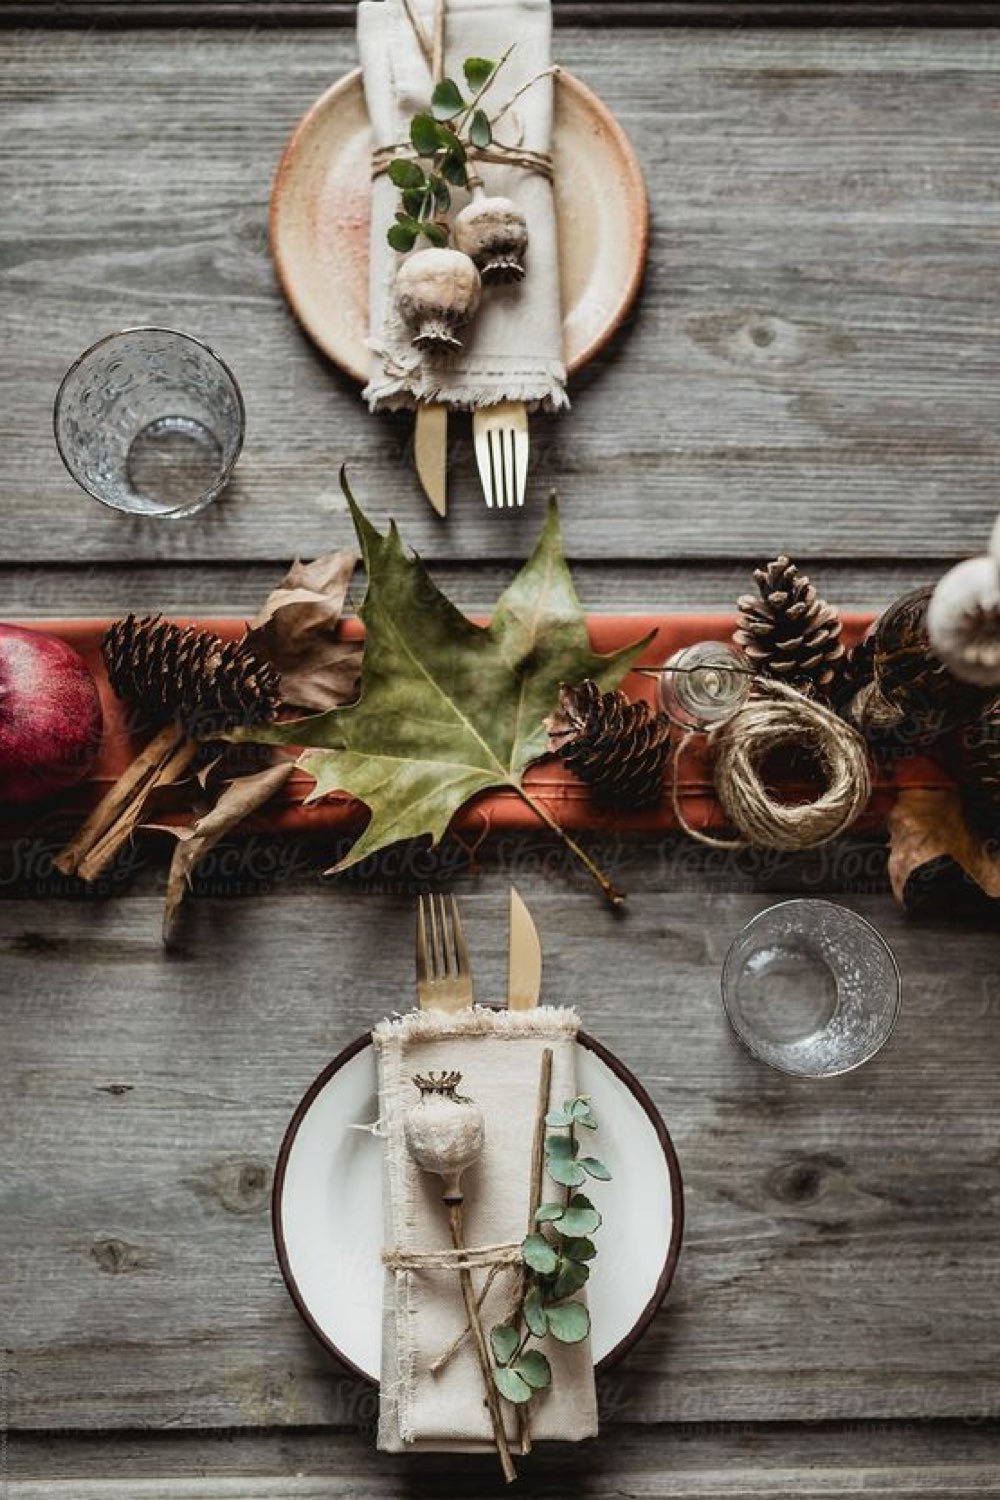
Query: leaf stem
pixel 545 73
pixel 612 894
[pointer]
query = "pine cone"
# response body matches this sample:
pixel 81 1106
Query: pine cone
pixel 909 699
pixel 619 748
pixel 788 632
pixel 980 768
pixel 167 670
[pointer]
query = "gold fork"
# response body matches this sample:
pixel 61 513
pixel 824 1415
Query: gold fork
pixel 444 974
pixel 500 434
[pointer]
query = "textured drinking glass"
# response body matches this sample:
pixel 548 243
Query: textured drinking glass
pixel 150 421
pixel 704 684
pixel 811 988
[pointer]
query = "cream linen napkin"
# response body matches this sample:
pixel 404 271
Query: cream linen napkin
pixel 513 349
pixel 499 1056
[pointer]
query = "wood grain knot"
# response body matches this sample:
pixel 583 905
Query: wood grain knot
pixel 799 1182
pixel 241 1186
pixel 761 341
pixel 117 1257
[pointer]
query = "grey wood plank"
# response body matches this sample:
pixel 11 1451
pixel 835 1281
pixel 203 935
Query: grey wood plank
pixel 867 13
pixel 814 365
pixel 665 1463
pixel 842 1241
pixel 61 589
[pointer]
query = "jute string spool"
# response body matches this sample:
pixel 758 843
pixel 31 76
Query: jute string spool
pixel 781 718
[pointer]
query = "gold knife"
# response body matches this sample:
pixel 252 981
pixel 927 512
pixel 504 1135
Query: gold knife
pixel 524 958
pixel 430 452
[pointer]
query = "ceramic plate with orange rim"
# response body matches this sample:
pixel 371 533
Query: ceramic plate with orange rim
pixel 320 210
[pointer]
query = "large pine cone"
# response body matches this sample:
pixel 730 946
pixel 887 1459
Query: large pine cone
pixel 788 632
pixel 619 748
pixel 910 699
pixel 169 671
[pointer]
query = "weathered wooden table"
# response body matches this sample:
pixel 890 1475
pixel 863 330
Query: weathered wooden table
pixel 813 367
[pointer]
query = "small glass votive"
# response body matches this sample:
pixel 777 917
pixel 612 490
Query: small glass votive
pixel 704 684
pixel 811 988
pixel 150 421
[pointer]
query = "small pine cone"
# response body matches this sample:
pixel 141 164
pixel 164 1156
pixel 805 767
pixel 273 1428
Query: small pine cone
pixel 980 768
pixel 910 699
pixel 619 748
pixel 788 632
pixel 168 670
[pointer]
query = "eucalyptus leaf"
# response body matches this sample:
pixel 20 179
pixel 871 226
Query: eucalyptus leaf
pixel 404 173
pixel 595 1168
pixel 571 1276
pixel 436 233
pixel 424 135
pixel 548 1212
pixel 579 1108
pixel 455 170
pixel 446 100
pixel 480 130
pixel 504 1341
pixel 534 1313
pixel 556 1118
pixel 534 1369
pixel 477 71
pixel 578 1249
pixel 402 236
pixel 447 709
pixel 565 1171
pixel 512 1386
pixel 413 201
pixel 442 197
pixel 539 1254
pixel 578 1222
pixel 569 1322
pixel 560 1147
pixel 450 141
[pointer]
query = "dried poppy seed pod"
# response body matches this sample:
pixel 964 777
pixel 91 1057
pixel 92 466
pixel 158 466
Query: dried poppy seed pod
pixel 437 293
pixel 963 620
pixel 493 232
pixel 444 1131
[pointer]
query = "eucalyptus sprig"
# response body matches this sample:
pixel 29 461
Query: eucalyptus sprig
pixel 441 138
pixel 556 1259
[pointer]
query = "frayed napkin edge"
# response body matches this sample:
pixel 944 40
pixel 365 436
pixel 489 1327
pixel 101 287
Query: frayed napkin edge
pixel 556 1021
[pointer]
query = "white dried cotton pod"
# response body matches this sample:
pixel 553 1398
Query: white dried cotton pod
pixel 963 620
pixel 437 293
pixel 493 232
pixel 444 1131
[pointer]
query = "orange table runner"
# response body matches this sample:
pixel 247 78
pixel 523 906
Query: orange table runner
pixel 563 794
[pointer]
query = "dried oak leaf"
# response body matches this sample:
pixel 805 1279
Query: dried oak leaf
pixel 934 855
pixel 237 801
pixel 448 708
pixel 296 631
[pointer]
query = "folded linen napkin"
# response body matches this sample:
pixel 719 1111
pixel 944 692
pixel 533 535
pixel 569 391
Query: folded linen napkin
pixel 499 1056
pixel 513 349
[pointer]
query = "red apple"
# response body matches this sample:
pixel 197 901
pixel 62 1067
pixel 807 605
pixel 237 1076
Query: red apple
pixel 50 715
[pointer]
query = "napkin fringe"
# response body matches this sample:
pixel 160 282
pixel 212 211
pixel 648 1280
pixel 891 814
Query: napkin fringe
pixel 398 394
pixel 550 1021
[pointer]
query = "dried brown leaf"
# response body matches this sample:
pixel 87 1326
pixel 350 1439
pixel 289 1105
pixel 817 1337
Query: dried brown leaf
pixel 238 800
pixel 296 631
pixel 928 826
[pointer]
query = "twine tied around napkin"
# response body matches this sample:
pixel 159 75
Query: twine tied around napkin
pixel 513 351
pixel 431 1394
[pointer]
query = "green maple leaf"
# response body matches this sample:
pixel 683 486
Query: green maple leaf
pixel 448 709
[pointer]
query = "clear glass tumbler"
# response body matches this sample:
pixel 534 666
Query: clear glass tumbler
pixel 811 988
pixel 703 685
pixel 150 421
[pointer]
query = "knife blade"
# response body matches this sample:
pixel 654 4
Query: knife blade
pixel 430 453
pixel 524 957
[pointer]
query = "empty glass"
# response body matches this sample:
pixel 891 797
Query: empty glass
pixel 150 421
pixel 703 685
pixel 811 988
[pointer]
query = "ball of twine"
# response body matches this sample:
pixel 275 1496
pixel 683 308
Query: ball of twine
pixel 779 718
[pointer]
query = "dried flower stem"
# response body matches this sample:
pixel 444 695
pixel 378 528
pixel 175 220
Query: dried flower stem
pixel 534 1200
pixel 479 1338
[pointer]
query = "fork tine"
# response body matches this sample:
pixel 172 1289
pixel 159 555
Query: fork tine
pixel 439 968
pixel 422 974
pixel 462 964
pixel 441 921
pixel 512 494
pixel 492 494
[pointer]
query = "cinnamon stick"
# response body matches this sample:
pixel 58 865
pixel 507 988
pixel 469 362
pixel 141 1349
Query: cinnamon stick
pixel 170 771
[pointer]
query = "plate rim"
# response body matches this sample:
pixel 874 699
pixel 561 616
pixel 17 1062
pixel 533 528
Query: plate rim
pixel 642 1098
pixel 563 79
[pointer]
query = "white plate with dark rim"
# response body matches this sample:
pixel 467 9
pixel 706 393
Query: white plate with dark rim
pixel 321 208
pixel 327 1208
